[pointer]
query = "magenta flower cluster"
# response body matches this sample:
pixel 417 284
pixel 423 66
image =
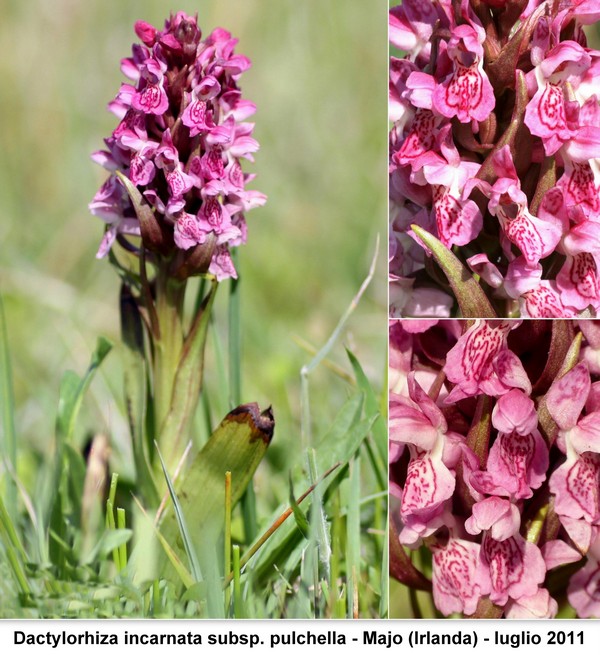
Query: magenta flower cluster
pixel 495 151
pixel 495 462
pixel 181 135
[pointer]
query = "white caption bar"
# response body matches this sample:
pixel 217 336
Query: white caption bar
pixel 322 637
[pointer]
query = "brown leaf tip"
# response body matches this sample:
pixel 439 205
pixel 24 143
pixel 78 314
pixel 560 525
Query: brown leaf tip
pixel 262 424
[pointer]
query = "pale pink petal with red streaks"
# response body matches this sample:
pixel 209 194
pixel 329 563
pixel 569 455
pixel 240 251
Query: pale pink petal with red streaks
pixel 455 586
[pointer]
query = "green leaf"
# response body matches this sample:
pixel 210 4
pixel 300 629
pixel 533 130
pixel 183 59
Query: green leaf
pixel 13 549
pixel 196 592
pixel 333 446
pixel 299 515
pixel 109 541
pixel 319 528
pixel 55 504
pixel 471 298
pixel 237 445
pixel 76 481
pixel 371 405
pixel 138 562
pixel 378 455
pixel 72 390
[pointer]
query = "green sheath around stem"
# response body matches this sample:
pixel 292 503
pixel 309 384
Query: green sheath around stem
pixel 168 345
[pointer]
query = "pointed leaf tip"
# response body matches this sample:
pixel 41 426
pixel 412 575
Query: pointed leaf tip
pixel 469 295
pixel 152 234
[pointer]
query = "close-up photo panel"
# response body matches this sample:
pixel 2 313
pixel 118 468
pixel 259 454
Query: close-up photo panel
pixel 193 315
pixel 494 346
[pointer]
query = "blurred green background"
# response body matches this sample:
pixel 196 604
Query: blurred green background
pixel 319 79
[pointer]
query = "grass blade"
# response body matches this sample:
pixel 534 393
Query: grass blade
pixel 238 605
pixel 181 522
pixel 183 574
pixel 305 421
pixel 9 436
pixel 13 549
pixel 72 390
pixel 372 407
pixel 227 549
pixel 353 539
pixel 319 525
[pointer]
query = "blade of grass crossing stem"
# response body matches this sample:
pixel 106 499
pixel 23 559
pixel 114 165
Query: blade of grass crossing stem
pixel 110 542
pixel 330 364
pixel 9 437
pixel 353 539
pixel 305 428
pixel 185 536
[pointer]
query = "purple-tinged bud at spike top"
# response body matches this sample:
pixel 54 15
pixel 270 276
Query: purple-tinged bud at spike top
pixel 184 106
